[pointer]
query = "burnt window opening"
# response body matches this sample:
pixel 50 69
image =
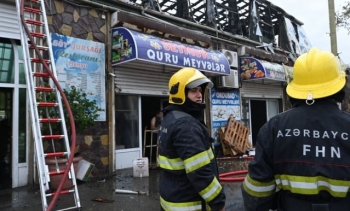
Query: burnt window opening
pixel 258 20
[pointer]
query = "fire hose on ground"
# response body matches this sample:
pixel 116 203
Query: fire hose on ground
pixel 223 177
pixel 226 177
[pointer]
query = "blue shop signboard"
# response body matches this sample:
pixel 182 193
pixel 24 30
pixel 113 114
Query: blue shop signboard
pixel 252 69
pixel 129 45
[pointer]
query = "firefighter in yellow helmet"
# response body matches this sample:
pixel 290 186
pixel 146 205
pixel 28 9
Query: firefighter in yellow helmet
pixel 302 155
pixel 190 178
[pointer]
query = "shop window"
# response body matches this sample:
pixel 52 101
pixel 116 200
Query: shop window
pixel 22 136
pixel 245 113
pixel 22 76
pixel 6 61
pixel 20 51
pixel 272 108
pixel 5 103
pixel 5 136
pixel 126 122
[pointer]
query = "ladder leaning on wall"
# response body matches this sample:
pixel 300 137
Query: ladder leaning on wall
pixel 42 85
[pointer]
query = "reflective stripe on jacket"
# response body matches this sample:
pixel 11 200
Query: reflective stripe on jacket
pixel 304 154
pixel 189 179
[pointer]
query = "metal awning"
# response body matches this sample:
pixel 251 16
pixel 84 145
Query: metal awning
pixel 129 45
pixel 255 69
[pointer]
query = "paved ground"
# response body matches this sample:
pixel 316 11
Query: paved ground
pixel 28 198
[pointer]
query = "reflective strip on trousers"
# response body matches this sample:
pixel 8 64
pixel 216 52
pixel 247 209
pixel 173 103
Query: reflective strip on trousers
pixel 259 189
pixel 312 185
pixel 182 206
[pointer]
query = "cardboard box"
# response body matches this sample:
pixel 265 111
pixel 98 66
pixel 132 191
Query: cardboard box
pixel 84 170
pixel 140 167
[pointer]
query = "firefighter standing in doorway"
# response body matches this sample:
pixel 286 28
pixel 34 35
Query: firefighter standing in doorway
pixel 190 178
pixel 302 155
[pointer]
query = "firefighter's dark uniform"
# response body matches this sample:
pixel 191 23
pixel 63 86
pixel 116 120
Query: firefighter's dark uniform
pixel 189 179
pixel 307 159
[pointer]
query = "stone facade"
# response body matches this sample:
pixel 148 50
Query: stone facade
pixel 86 23
pixel 76 20
pixel 93 147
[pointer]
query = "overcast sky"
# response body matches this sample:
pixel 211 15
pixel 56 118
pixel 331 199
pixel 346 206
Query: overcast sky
pixel 314 15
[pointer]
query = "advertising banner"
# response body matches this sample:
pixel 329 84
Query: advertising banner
pixel 128 45
pixel 252 68
pixel 223 105
pixel 292 36
pixel 81 63
pixel 304 42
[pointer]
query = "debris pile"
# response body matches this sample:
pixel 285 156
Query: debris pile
pixel 234 138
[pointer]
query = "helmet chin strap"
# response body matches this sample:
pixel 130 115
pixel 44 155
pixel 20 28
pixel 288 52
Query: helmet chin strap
pixel 309 100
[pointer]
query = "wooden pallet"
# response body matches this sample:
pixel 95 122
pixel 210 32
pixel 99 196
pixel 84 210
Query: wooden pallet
pixel 236 135
pixel 226 149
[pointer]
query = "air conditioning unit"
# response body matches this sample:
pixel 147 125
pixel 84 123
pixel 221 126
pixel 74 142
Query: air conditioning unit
pixel 231 57
pixel 231 81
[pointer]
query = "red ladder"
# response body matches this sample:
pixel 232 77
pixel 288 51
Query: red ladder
pixel 45 116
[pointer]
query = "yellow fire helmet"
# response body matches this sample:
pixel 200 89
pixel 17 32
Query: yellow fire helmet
pixel 317 74
pixel 185 78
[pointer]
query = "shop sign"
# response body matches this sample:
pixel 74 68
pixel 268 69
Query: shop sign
pixel 129 45
pixel 252 68
pixel 223 105
pixel 81 63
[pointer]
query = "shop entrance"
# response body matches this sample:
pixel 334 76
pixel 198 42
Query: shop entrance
pixel 13 116
pixel 150 107
pixel 133 114
pixel 258 117
pixel 5 137
pixel 256 112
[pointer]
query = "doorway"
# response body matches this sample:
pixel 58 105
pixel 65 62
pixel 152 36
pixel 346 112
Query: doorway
pixel 133 114
pixel 258 117
pixel 127 130
pixel 151 105
pixel 6 97
pixel 256 112
pixel 13 111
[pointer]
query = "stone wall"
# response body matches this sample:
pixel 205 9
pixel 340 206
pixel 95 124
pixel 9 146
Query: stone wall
pixel 93 147
pixel 80 21
pixel 76 20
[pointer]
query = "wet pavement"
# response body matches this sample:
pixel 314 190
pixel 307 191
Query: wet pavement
pixel 28 198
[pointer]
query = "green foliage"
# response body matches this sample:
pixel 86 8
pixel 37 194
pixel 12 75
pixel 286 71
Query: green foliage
pixel 343 17
pixel 85 111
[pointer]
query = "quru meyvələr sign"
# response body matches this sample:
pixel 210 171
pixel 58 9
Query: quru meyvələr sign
pixel 129 45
